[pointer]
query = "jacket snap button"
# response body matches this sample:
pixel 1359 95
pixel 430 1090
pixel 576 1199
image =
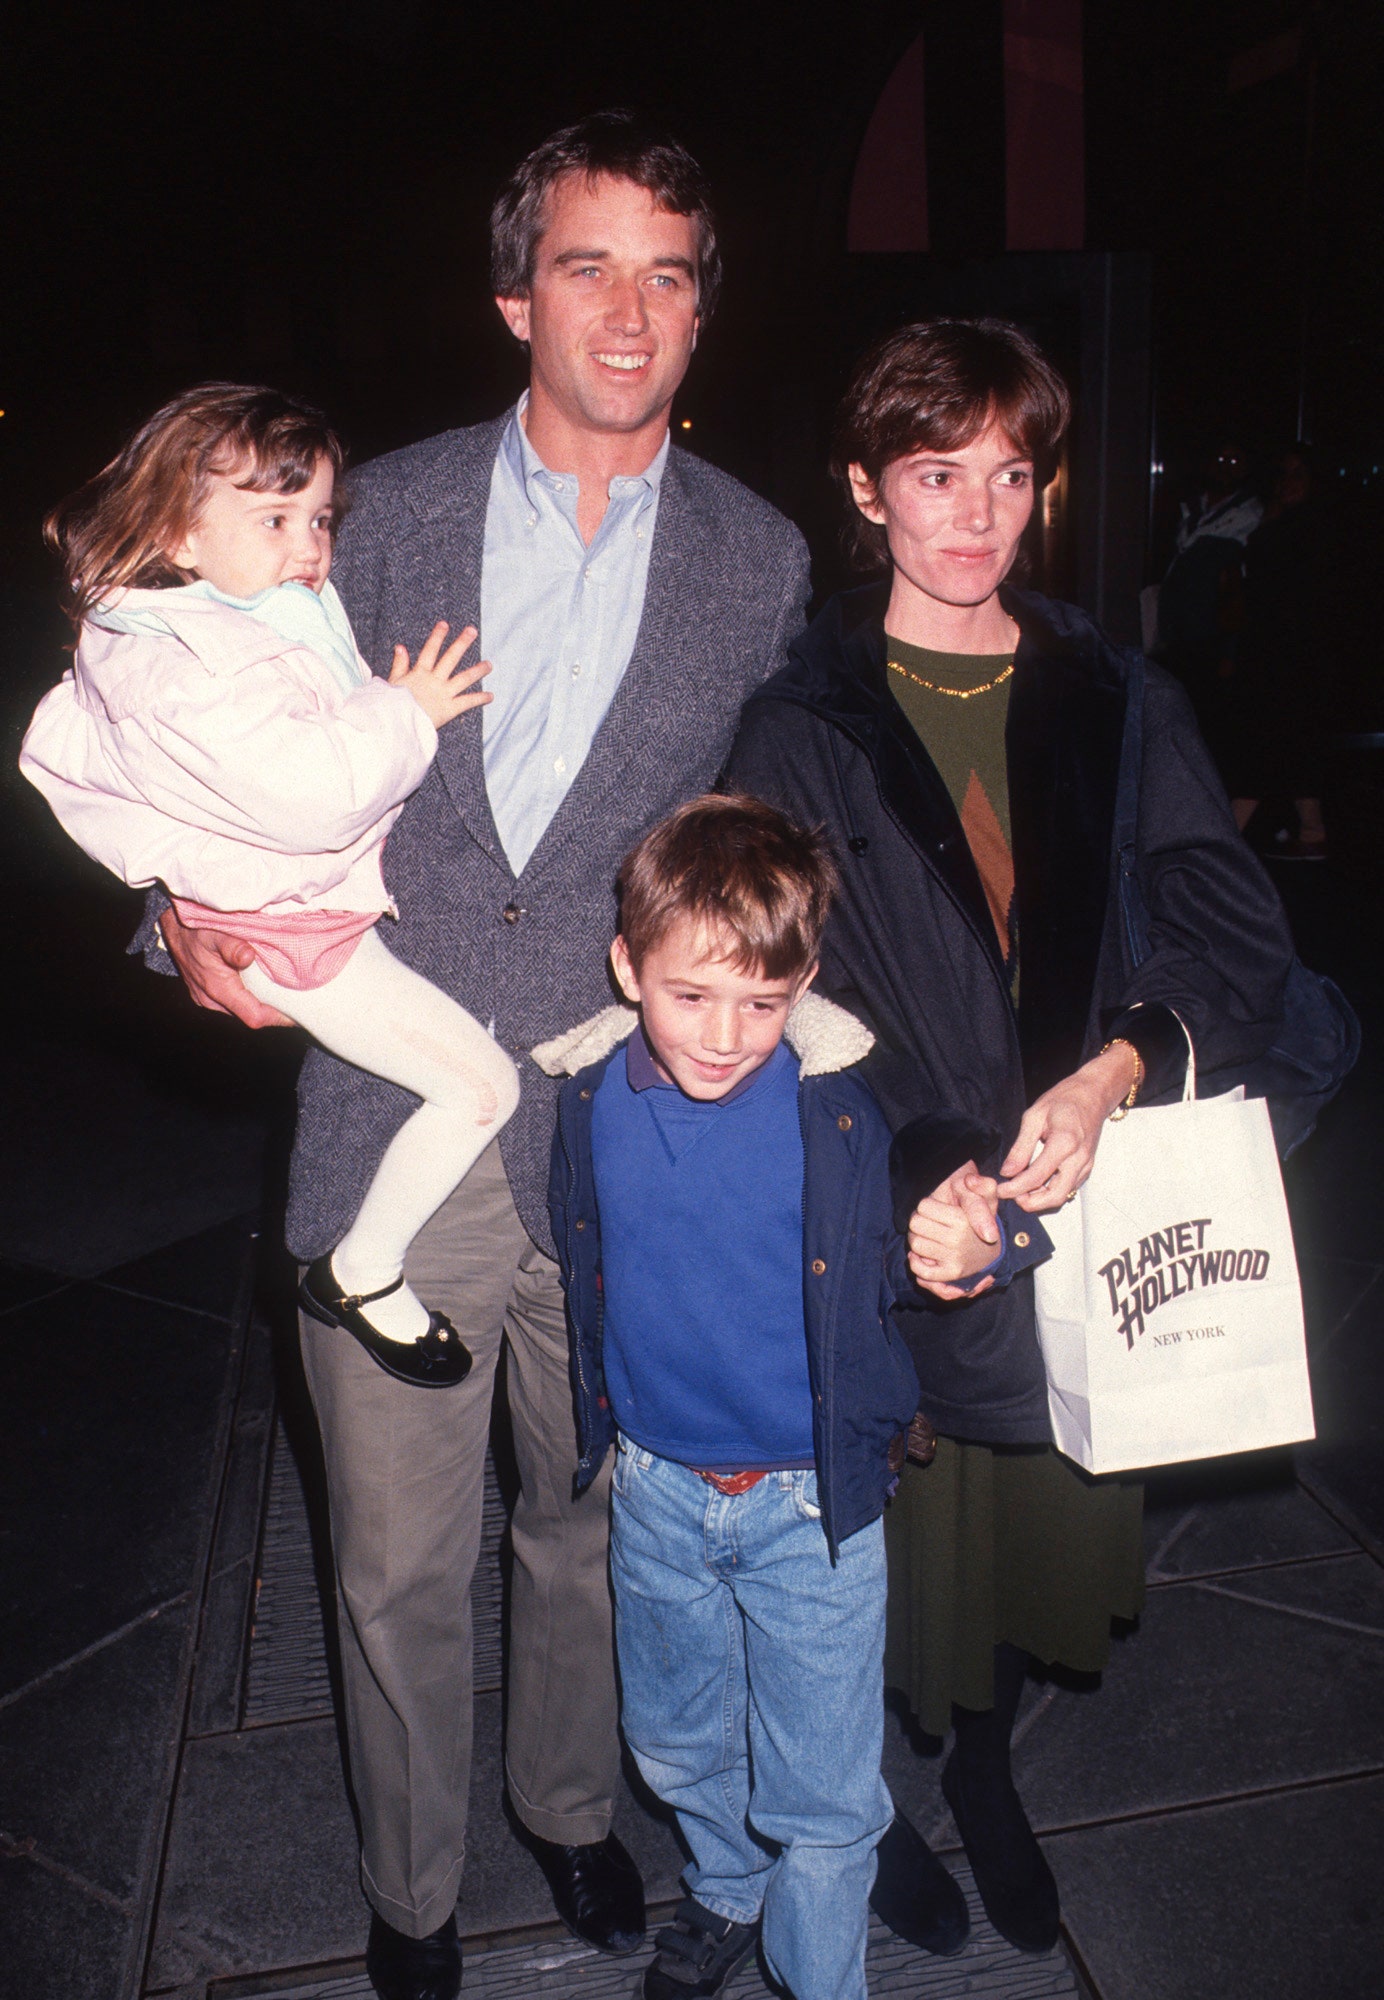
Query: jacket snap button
pixel 843 1123
pixel 581 1222
pixel 512 913
pixel 818 1266
pixel 585 1096
pixel 858 844
pixel 1022 1240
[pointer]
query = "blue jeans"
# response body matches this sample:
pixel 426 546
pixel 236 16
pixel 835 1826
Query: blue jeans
pixel 751 1671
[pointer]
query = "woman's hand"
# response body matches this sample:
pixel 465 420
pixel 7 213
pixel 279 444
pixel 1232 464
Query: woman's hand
pixel 211 963
pixel 432 679
pixel 952 1233
pixel 1056 1146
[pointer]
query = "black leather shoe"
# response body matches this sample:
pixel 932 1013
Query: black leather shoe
pixel 915 1895
pixel 438 1359
pixel 405 1968
pixel 1012 1875
pixel 596 1889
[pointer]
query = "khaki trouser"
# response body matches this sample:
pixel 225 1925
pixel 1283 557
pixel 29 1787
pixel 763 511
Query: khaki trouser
pixel 404 1476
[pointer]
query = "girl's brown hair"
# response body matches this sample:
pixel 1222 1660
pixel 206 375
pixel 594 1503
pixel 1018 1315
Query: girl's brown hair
pixel 115 531
pixel 935 387
pixel 741 869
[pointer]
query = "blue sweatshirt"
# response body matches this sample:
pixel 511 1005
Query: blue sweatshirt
pixel 701 1208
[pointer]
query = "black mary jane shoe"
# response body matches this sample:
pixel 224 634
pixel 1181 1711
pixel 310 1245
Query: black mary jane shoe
pixel 596 1891
pixel 405 1968
pixel 438 1359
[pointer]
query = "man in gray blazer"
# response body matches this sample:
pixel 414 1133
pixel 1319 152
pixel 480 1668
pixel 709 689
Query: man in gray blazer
pixel 630 597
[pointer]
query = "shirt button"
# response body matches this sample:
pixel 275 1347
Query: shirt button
pixel 557 486
pixel 818 1267
pixel 843 1123
pixel 576 669
pixel 559 765
pixel 512 913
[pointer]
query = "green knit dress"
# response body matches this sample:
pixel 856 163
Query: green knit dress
pixel 992 1543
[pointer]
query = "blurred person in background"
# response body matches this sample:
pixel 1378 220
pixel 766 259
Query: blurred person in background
pixel 1281 691
pixel 1200 606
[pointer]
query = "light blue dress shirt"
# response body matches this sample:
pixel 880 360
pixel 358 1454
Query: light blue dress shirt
pixel 558 623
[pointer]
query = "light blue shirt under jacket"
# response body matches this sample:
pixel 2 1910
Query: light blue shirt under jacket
pixel 558 623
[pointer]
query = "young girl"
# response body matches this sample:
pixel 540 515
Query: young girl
pixel 220 734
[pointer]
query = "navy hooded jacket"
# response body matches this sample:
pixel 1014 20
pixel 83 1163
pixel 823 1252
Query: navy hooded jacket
pixel 864 1386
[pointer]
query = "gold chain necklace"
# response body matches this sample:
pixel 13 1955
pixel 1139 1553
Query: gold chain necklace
pixel 961 694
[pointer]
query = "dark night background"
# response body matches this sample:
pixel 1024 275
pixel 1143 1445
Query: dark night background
pixel 298 194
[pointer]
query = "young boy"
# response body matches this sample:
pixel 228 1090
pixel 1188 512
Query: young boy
pixel 721 1203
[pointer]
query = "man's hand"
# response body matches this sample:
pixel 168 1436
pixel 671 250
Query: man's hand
pixel 211 964
pixel 1056 1146
pixel 433 681
pixel 953 1232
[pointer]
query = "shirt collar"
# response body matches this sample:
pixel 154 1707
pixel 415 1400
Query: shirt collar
pixel 529 471
pixel 643 1073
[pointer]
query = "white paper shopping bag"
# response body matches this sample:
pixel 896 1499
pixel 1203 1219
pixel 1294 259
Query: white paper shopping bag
pixel 1170 1314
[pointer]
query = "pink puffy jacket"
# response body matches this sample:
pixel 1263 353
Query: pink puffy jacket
pixel 226 762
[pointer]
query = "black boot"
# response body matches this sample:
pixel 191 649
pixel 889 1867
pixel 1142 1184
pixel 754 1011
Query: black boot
pixel 915 1895
pixel 1014 1880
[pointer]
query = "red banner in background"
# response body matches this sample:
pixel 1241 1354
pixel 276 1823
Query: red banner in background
pixel 1045 139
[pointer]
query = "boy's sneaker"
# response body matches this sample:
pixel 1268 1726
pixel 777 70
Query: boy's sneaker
pixel 698 1953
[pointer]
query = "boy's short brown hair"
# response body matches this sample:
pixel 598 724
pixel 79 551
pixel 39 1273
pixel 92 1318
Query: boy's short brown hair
pixel 742 869
pixel 936 386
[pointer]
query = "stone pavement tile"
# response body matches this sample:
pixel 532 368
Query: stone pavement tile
pixel 206 1273
pixel 1331 1288
pixel 1216 1695
pixel 20 1284
pixel 1271 1898
pixel 261 1867
pixel 560 1969
pixel 86 1759
pixel 104 1162
pixel 112 1406
pixel 60 1942
pixel 1346 1464
pixel 1197 1536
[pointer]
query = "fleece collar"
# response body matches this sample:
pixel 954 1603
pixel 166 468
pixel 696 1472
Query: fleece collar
pixel 823 1036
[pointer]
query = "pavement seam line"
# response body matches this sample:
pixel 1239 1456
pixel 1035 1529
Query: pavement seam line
pixel 1291 1610
pixel 88 1652
pixel 1174 1534
pixel 158 1299
pixel 1134 1816
pixel 24 1849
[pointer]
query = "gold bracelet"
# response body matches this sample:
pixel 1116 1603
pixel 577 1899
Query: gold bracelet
pixel 1126 1104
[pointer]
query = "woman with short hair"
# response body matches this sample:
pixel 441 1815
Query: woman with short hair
pixel 961 739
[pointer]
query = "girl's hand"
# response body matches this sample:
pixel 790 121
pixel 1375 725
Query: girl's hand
pixel 1056 1146
pixel 952 1234
pixel 433 681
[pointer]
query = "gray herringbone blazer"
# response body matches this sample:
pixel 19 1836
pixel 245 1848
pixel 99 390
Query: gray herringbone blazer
pixel 727 590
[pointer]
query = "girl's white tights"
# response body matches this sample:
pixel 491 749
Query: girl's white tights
pixel 386 1019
